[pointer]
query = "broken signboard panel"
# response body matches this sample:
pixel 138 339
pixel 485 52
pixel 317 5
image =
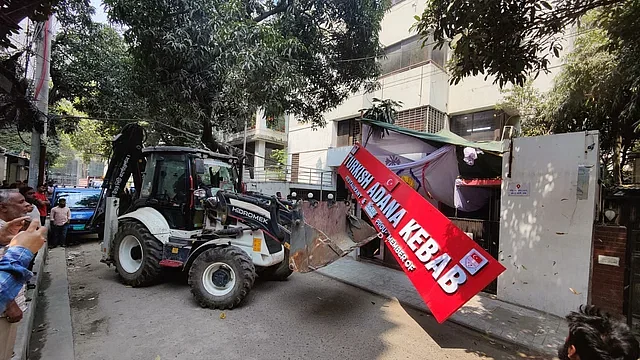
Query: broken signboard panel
pixel 446 267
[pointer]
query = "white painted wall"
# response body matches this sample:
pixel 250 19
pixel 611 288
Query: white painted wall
pixel 336 156
pixel 546 237
pixel 475 93
pixel 269 187
pixel 420 86
pixel 398 20
pixel 313 160
pixel 260 151
pixel 302 138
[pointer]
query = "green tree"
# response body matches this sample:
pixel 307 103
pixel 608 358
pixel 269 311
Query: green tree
pixel 65 152
pixel 209 64
pixel 509 39
pixel 528 102
pixel 382 110
pixel 92 69
pixel 88 137
pixel 92 75
pixel 596 90
pixel 90 141
pixel 279 157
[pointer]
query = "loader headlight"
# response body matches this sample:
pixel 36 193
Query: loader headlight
pixel 200 193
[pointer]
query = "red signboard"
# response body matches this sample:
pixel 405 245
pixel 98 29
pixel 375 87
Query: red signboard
pixel 443 263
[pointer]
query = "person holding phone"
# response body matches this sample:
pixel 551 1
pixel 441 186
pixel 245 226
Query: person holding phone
pixel 14 210
pixel 20 249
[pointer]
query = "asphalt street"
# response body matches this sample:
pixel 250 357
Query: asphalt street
pixel 307 317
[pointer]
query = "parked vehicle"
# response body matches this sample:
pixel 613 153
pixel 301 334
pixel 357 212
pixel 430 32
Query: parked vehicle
pixel 82 203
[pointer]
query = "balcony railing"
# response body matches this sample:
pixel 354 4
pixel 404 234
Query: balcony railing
pixel 297 175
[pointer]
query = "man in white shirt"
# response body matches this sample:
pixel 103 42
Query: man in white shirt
pixel 60 218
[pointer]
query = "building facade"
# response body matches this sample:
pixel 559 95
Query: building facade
pixel 416 76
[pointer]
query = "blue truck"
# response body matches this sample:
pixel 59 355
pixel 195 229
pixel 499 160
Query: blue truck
pixel 82 203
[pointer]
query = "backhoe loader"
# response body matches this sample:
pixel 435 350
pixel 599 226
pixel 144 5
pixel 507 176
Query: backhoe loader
pixel 189 212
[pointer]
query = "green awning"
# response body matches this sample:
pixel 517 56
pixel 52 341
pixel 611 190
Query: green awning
pixel 440 138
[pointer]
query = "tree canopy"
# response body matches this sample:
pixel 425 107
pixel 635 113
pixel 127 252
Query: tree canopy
pixel 91 67
pixel 13 12
pixel 596 90
pixel 16 98
pixel 509 39
pixel 210 64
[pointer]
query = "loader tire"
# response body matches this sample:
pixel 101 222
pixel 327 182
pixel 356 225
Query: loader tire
pixel 137 255
pixel 278 272
pixel 221 277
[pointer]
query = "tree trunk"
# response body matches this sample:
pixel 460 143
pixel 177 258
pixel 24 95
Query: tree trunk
pixel 213 144
pixel 209 140
pixel 617 160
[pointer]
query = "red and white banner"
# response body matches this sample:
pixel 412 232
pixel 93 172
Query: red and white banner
pixel 443 263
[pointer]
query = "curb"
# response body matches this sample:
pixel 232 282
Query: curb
pixel 483 332
pixel 25 328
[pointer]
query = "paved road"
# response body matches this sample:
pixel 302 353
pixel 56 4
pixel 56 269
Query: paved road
pixel 307 317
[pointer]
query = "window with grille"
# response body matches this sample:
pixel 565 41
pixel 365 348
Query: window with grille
pixel 479 126
pixel 348 132
pixel 410 52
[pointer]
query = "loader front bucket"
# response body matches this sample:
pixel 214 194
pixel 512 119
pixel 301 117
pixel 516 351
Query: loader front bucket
pixel 323 232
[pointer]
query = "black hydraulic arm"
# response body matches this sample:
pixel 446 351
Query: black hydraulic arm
pixel 127 151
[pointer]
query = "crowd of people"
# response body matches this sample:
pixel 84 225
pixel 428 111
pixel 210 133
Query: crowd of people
pixel 23 209
pixel 23 183
pixel 17 216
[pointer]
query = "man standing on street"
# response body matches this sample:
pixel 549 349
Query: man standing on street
pixel 60 218
pixel 12 206
pixel 42 202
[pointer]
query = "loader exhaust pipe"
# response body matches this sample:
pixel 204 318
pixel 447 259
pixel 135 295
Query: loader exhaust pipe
pixel 323 232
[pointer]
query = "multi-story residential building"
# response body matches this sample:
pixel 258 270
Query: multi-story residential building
pixel 264 135
pixel 416 76
pixel 263 172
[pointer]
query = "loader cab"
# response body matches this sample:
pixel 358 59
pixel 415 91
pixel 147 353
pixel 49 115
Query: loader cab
pixel 173 175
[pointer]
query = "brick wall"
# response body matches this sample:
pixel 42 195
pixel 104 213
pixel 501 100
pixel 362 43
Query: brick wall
pixel 607 281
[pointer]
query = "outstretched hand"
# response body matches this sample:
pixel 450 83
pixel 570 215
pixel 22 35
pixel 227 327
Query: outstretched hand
pixel 33 238
pixel 11 229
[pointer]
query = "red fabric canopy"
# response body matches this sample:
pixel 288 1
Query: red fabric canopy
pixel 481 182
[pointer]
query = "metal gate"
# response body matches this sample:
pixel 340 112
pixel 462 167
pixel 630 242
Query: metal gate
pixel 486 233
pixel 626 203
pixel 633 312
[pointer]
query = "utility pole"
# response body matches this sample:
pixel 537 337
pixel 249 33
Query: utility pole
pixel 244 149
pixel 41 77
